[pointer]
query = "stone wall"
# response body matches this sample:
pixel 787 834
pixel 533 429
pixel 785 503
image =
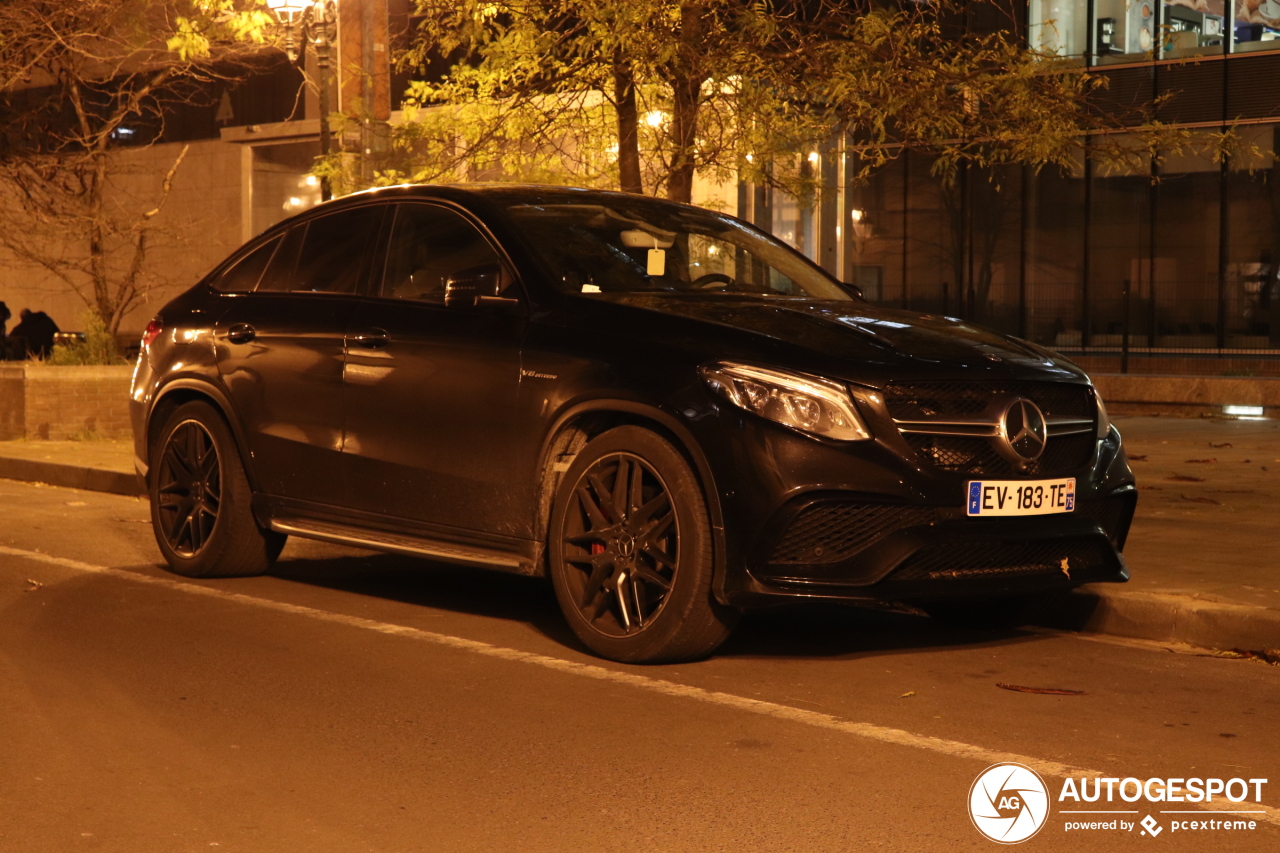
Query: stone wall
pixel 1140 394
pixel 198 226
pixel 46 402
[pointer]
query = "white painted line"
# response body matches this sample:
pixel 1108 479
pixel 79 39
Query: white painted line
pixel 871 731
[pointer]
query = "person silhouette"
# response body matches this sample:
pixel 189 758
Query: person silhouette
pixel 34 333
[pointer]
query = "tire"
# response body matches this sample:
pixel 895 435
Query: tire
pixel 633 575
pixel 991 614
pixel 200 500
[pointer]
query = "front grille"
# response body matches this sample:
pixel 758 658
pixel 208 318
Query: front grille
pixel 961 454
pixel 1085 557
pixel 914 401
pixel 830 531
pixel 922 402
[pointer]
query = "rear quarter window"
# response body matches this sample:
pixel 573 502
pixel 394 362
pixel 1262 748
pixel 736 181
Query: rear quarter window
pixel 243 275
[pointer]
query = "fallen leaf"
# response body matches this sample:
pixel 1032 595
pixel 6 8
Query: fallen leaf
pixel 1134 457
pixel 1047 691
pixel 1186 478
pixel 908 693
pixel 1201 461
pixel 1202 500
pixel 1247 461
pixel 1066 567
pixel 1224 444
pixel 34 585
pixel 1268 656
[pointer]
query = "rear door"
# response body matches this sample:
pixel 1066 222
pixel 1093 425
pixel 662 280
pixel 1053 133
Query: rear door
pixel 431 391
pixel 281 353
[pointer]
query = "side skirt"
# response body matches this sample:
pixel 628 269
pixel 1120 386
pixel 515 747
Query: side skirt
pixel 523 561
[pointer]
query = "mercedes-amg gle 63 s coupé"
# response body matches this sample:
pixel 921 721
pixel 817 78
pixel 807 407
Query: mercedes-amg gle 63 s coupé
pixel 666 411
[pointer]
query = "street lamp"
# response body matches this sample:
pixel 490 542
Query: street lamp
pixel 316 22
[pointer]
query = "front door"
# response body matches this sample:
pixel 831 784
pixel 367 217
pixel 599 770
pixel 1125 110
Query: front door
pixel 431 390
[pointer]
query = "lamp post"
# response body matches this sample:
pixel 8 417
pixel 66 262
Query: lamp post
pixel 315 21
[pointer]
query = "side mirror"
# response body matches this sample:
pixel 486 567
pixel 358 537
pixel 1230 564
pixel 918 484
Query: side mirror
pixel 466 288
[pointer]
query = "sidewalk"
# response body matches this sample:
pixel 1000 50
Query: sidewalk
pixel 99 466
pixel 1204 551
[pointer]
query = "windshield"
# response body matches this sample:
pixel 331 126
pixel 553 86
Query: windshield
pixel 626 246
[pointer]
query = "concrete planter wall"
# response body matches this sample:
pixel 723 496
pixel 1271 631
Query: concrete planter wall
pixel 39 401
pixel 1138 394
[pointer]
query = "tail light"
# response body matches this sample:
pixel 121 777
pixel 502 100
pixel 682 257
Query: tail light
pixel 153 330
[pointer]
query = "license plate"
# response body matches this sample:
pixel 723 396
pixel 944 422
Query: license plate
pixel 1021 497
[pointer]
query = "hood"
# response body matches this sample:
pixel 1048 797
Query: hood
pixel 869 336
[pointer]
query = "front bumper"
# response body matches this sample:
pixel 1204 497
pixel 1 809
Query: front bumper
pixel 871 521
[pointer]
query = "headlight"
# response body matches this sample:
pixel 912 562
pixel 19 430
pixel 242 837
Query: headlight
pixel 801 402
pixel 1104 422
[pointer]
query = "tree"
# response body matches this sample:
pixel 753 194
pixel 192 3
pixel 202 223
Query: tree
pixel 77 79
pixel 645 94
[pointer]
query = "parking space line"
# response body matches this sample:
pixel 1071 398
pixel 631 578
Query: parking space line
pixel 870 731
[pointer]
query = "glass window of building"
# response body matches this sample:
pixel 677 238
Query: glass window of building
pixel 1185 234
pixel 1256 25
pixel 1055 222
pixel 873 228
pixel 1193 28
pixel 794 222
pixel 1252 282
pixel 1058 27
pixel 1125 30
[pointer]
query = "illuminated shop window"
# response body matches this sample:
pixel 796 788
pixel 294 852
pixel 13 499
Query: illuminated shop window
pixel 1058 27
pixel 1125 30
pixel 1194 28
pixel 1256 25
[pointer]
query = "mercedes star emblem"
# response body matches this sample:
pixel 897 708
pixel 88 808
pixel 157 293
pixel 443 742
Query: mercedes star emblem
pixel 1023 429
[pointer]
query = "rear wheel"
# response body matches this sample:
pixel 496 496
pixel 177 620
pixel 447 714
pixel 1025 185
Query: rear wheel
pixel 200 500
pixel 630 552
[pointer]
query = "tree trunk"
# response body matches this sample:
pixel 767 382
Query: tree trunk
pixel 624 99
pixel 686 88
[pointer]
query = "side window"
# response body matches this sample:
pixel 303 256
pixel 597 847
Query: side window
pixel 428 245
pixel 325 254
pixel 243 275
pixel 279 274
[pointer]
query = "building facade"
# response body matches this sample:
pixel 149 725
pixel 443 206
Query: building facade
pixel 1169 267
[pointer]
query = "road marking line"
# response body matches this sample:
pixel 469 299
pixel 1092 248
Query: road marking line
pixel 871 731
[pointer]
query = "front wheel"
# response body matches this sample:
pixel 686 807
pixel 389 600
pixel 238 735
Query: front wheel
pixel 630 552
pixel 200 500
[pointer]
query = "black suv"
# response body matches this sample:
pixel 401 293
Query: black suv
pixel 668 412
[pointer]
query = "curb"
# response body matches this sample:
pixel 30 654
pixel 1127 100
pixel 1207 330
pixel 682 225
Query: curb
pixel 1167 618
pixel 71 476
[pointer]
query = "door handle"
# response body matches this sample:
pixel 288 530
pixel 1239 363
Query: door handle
pixel 241 333
pixel 371 339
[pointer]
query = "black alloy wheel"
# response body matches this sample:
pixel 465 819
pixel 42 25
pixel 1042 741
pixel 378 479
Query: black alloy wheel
pixel 200 500
pixel 631 552
pixel 189 489
pixel 623 537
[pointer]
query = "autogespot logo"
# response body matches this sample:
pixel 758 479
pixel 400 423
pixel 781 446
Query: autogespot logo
pixel 1008 803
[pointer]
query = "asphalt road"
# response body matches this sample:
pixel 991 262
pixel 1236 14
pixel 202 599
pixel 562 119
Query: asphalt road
pixel 354 702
